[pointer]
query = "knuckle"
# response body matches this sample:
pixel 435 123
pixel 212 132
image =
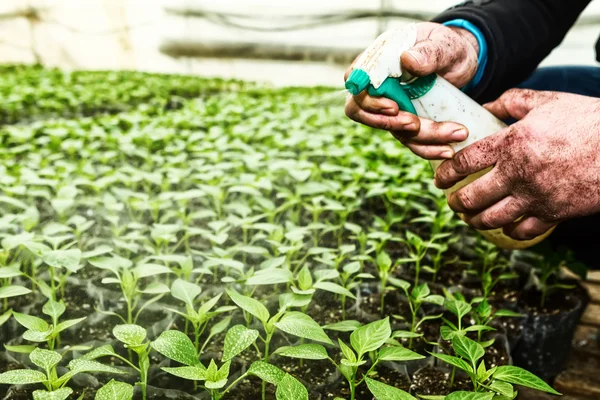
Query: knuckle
pixel 461 162
pixel 465 200
pixel 487 221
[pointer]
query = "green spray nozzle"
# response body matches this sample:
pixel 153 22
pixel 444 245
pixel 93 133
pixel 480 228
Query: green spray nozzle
pixel 391 88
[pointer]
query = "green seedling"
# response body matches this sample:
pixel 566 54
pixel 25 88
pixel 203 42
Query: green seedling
pixel 385 269
pixel 40 331
pixel 56 386
pixel 133 338
pixel 290 322
pixel 115 390
pixel 495 383
pixel 200 317
pixel 130 280
pixel 350 278
pixel 178 347
pixel 367 343
pixel 416 297
pixel 484 316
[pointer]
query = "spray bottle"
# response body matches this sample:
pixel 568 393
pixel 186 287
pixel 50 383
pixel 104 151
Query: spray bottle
pixel 378 71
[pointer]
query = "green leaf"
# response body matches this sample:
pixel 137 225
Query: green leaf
pixel 45 359
pixel 9 272
pixel 402 284
pixel 23 348
pixel 305 280
pixel 271 276
pixel 193 373
pixel 155 288
pixel 251 306
pixel 454 361
pixel 54 309
pixel 67 324
pixel 334 288
pixel 398 353
pixel 519 376
pixel 470 396
pixel 434 299
pixel 266 372
pixel 102 351
pixel 420 292
pixel 68 259
pixel 177 346
pixel 185 291
pixel 503 388
pixel 31 322
pixel 381 391
pixel 220 326
pixel 289 388
pixel 22 377
pixel 467 348
pixel 484 309
pixel 301 325
pixel 146 270
pixel 59 394
pixel 98 251
pixel 507 313
pixel 115 390
pixel 37 336
pixel 131 335
pixel 405 335
pixel 5 317
pixel 458 308
pixel 479 328
pixel 13 291
pixel 370 337
pixel 238 339
pixel 343 326
pixel 79 366
pixel 384 262
pixel 304 351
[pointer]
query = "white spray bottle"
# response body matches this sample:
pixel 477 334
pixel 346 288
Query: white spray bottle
pixel 378 70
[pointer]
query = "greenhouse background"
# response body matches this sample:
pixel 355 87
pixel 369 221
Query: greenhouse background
pixel 159 36
pixel 187 213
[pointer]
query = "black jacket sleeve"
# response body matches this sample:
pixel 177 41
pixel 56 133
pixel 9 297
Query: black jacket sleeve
pixel 519 33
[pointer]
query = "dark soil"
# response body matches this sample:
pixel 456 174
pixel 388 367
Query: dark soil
pixel 313 373
pixel 434 381
pixel 395 304
pixel 430 331
pixel 556 303
pixel 250 389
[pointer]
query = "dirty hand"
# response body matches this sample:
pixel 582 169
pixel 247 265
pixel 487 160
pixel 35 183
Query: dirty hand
pixel 546 166
pixel 449 51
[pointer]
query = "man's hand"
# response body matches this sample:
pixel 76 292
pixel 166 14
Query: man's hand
pixel 546 166
pixel 450 52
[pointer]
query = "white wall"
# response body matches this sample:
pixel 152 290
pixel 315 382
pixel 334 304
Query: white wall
pixel 87 34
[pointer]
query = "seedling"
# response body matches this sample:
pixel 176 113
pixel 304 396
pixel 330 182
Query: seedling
pixel 385 269
pixel 420 294
pixel 129 280
pixel 133 338
pixel 40 331
pixel 366 341
pixel 484 316
pixel 178 347
pixel 47 361
pixel 495 383
pixel 199 318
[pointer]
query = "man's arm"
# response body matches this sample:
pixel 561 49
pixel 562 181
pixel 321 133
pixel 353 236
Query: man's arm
pixel 519 34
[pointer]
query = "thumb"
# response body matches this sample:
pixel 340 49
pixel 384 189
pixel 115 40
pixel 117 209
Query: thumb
pixel 423 59
pixel 517 103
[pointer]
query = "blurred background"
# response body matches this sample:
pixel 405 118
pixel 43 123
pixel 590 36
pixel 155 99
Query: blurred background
pixel 277 42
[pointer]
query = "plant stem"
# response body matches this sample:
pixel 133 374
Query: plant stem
pixel 343 307
pixel 452 377
pixel 234 383
pixel 266 359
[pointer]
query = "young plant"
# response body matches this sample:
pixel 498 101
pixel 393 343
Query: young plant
pixel 483 316
pixel 366 343
pixel 493 267
pixel 134 339
pixel 351 278
pixel 56 386
pixel 203 315
pixel 177 346
pixel 461 309
pixel 420 294
pixel 545 274
pixel 417 248
pixel 385 269
pixel 290 322
pixel 130 280
pixel 488 384
pixel 40 331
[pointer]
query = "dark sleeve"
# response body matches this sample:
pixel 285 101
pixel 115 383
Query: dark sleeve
pixel 519 33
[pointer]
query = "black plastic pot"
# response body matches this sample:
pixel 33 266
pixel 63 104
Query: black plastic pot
pixel 545 344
